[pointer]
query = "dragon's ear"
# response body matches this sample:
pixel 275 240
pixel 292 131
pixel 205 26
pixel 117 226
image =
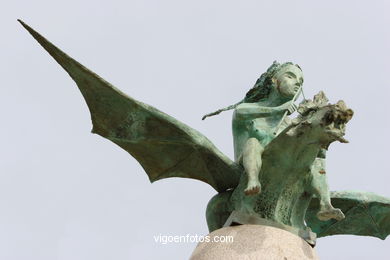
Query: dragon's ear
pixel 320 99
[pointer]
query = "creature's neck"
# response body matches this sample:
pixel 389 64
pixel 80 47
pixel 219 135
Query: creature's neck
pixel 275 98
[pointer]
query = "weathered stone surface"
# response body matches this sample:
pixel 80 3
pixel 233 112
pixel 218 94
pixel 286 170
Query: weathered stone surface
pixel 255 242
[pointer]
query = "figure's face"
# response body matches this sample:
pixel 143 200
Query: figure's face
pixel 288 80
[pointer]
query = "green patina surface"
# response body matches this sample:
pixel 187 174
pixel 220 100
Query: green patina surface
pixel 279 177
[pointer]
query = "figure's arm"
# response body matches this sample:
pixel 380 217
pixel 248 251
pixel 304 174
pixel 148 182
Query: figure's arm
pixel 255 110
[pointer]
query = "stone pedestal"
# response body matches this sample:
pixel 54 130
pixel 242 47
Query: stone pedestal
pixel 254 242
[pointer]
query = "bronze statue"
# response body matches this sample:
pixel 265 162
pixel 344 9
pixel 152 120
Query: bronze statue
pixel 278 177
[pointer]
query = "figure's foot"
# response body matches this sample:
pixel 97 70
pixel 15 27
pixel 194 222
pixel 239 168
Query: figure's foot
pixel 330 213
pixel 253 187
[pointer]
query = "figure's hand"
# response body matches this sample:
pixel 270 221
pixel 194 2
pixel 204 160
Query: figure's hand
pixel 290 107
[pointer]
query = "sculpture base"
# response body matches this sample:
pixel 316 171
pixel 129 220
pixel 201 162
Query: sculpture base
pixel 254 242
pixel 239 218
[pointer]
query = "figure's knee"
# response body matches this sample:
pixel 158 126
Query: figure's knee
pixel 252 142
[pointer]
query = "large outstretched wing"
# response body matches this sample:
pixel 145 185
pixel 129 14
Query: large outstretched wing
pixel 163 146
pixel 366 214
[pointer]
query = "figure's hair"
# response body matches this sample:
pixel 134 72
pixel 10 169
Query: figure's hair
pixel 260 90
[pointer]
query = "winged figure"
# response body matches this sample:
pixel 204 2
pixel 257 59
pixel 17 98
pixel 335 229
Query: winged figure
pixel 278 175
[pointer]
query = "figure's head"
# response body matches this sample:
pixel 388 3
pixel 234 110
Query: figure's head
pixel 286 78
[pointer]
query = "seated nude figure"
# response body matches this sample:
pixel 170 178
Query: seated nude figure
pixel 258 119
pixel 257 122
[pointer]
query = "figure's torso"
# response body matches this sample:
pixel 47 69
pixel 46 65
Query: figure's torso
pixel 261 128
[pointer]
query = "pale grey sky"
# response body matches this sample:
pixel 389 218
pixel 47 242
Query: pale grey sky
pixel 69 195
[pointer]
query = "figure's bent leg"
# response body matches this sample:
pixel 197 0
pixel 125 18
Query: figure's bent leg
pixel 251 160
pixel 321 190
